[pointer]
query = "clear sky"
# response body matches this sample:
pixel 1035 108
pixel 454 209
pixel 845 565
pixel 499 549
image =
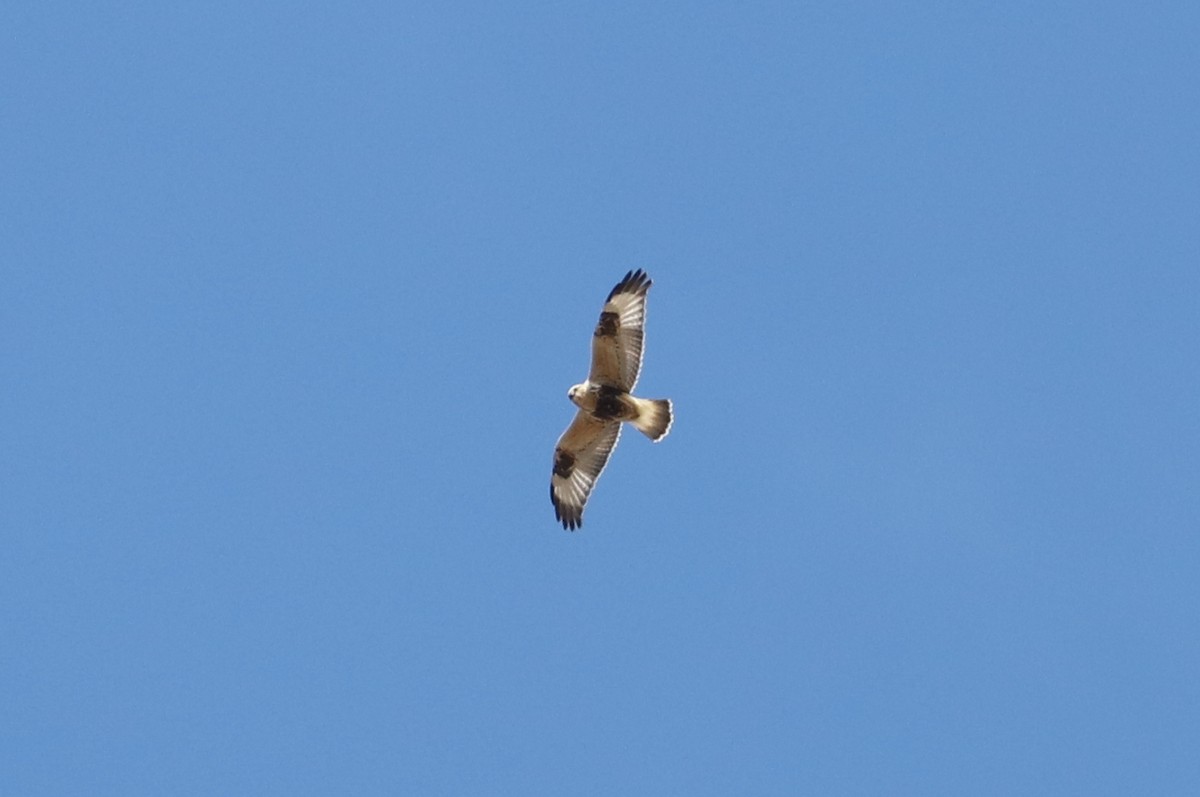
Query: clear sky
pixel 292 294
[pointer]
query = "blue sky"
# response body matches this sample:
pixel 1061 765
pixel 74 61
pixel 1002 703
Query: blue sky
pixel 292 295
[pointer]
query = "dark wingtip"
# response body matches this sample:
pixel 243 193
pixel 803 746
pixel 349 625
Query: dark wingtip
pixel 569 522
pixel 637 281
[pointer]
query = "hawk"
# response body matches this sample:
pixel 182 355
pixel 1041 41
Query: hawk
pixel 605 401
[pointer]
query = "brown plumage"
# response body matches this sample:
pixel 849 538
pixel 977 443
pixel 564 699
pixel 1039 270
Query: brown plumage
pixel 605 401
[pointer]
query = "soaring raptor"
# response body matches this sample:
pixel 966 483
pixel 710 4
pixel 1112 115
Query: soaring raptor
pixel 605 400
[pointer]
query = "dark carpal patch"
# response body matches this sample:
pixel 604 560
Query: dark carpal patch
pixel 608 325
pixel 564 463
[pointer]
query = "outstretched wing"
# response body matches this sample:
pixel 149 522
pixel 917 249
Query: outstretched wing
pixel 580 456
pixel 617 341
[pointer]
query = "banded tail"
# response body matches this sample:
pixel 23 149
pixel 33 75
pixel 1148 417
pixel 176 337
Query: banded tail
pixel 654 418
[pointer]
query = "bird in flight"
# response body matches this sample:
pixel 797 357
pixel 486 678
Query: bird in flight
pixel 605 401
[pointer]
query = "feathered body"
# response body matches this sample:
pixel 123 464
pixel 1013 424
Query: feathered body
pixel 605 401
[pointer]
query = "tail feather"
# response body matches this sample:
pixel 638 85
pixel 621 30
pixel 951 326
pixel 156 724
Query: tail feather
pixel 655 417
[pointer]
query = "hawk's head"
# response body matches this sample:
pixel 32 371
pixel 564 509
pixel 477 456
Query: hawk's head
pixel 576 393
